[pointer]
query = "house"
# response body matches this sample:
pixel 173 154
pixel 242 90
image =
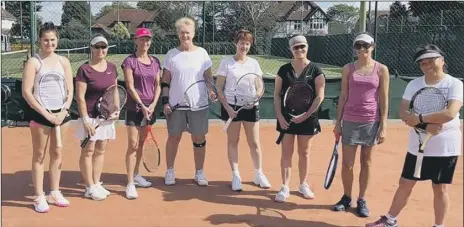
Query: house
pixel 131 18
pixel 301 17
pixel 7 23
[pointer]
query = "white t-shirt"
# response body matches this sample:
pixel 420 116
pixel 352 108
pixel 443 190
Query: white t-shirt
pixel 448 141
pixel 233 70
pixel 187 68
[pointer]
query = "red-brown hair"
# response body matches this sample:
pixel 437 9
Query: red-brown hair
pixel 244 35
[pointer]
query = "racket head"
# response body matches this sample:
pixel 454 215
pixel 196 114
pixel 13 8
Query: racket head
pixel 151 153
pixel 6 93
pixel 113 99
pixel 427 100
pixel 298 98
pixel 332 168
pixel 52 91
pixel 248 90
pixel 199 95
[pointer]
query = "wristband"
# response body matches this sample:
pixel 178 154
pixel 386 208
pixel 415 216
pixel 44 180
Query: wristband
pixel 86 119
pixel 165 100
pixel 164 84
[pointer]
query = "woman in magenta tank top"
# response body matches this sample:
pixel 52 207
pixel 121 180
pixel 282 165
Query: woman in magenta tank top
pixel 361 117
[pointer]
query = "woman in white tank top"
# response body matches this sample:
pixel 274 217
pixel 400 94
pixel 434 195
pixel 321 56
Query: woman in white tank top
pixel 42 121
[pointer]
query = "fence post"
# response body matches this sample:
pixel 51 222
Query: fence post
pixel 33 24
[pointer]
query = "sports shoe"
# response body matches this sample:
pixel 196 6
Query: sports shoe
pixel 131 192
pixel 383 222
pixel 40 204
pixel 141 182
pixel 94 192
pixel 200 178
pixel 305 191
pixel 343 204
pixel 55 197
pixel 283 194
pixel 261 180
pixel 170 177
pixel 362 209
pixel 103 189
pixel 236 183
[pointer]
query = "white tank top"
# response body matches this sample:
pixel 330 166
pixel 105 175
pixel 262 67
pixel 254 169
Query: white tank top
pixel 51 94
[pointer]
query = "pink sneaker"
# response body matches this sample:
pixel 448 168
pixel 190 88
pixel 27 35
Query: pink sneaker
pixel 58 199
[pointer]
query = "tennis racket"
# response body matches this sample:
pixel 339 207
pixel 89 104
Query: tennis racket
pixel 151 152
pixel 112 101
pixel 297 100
pixel 248 90
pixel 198 96
pixel 332 169
pixel 426 100
pixel 52 93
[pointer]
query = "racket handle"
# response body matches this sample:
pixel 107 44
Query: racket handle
pixel 279 139
pixel 87 139
pixel 418 169
pixel 227 124
pixel 58 136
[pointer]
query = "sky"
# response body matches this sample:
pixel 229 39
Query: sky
pixel 51 11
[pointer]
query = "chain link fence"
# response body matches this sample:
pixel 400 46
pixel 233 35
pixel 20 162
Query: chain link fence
pixel 398 28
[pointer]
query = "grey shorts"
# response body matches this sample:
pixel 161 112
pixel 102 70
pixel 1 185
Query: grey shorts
pixel 356 133
pixel 195 122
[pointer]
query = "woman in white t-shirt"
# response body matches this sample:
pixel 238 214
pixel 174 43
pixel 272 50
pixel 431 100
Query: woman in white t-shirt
pixel 442 150
pixel 230 70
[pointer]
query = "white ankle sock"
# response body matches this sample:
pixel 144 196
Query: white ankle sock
pixel 442 225
pixel 258 171
pixel 390 217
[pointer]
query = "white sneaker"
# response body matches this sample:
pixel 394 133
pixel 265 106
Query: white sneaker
pixel 236 182
pixel 283 194
pixel 170 177
pixel 131 192
pixel 55 197
pixel 141 182
pixel 261 180
pixel 94 192
pixel 40 204
pixel 103 189
pixel 200 178
pixel 306 191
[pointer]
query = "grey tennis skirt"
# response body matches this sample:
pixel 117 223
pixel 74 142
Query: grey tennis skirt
pixel 356 133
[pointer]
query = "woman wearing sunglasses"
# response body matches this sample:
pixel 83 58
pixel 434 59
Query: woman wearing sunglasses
pixel 92 79
pixel 361 117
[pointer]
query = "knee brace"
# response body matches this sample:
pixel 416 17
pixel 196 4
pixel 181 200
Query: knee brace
pixel 199 145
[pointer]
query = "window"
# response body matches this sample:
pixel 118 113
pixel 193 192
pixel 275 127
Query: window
pixel 297 25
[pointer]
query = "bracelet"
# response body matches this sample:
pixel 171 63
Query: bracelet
pixel 421 119
pixel 165 100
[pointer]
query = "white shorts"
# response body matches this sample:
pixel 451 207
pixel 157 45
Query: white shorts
pixel 105 131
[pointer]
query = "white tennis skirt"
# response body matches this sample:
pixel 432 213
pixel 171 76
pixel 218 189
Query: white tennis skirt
pixel 105 131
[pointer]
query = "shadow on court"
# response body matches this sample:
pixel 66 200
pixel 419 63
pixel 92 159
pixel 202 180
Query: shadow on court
pixel 18 191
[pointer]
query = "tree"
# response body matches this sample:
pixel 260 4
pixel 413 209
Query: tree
pixel 398 10
pixel 108 8
pixel 75 30
pixel 424 7
pixel 119 31
pixel 344 14
pixel 77 10
pixel 20 10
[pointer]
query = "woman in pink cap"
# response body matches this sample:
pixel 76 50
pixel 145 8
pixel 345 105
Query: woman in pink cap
pixel 361 118
pixel 142 75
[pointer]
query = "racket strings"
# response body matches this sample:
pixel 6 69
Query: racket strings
pixel 112 101
pixel 52 91
pixel 429 101
pixel 249 90
pixel 298 99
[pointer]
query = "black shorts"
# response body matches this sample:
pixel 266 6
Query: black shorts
pixel 136 118
pixel 33 115
pixel 248 115
pixel 308 128
pixel 440 170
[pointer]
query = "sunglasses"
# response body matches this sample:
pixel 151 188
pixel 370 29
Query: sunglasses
pixel 299 47
pixel 360 45
pixel 100 47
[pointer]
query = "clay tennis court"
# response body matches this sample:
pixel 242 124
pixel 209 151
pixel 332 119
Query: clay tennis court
pixel 186 204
